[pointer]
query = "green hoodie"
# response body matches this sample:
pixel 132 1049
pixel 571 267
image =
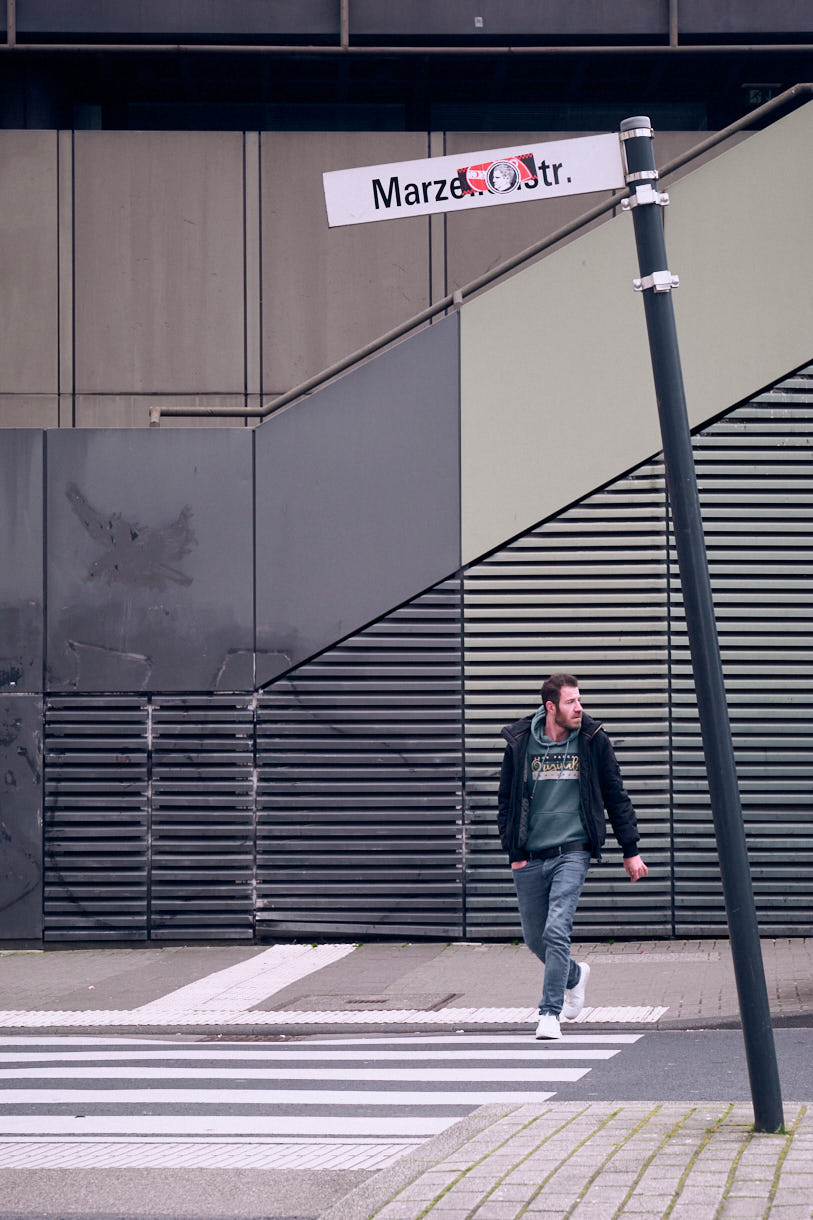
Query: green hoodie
pixel 553 787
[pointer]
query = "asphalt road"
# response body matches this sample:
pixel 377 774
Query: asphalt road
pixel 386 1081
pixel 695 1065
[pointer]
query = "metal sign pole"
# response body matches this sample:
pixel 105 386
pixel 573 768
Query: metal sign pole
pixel 656 285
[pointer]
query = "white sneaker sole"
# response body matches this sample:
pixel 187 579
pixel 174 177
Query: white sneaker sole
pixel 574 999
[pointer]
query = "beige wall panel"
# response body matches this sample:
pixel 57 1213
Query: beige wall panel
pixel 133 410
pixel 159 262
pixel 327 292
pixel 28 411
pixel 555 386
pixel 738 235
pixel 28 258
pixel 556 381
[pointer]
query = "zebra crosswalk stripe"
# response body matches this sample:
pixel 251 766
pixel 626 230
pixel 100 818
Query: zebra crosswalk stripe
pixel 141 1102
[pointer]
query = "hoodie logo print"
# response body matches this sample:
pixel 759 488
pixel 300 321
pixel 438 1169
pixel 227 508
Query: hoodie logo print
pixel 556 768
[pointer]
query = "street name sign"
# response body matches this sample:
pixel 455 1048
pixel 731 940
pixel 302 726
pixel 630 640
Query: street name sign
pixel 473 180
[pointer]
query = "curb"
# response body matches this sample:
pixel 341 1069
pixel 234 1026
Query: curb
pixel 245 1032
pixel 370 1196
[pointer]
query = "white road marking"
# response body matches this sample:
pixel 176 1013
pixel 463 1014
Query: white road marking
pixel 220 1124
pixel 520 1041
pixel 204 1153
pixel 322 1073
pixel 613 1015
pixel 162 1014
pixel 186 1092
pixel 287 1053
pixel 91 1040
pixel 462 1098
pixel 461 1038
pixel 249 982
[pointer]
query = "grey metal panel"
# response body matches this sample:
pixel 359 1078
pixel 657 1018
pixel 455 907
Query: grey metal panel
pixel 738 17
pixel 586 593
pixel 159 267
pixel 21 817
pixel 185 18
pixel 756 490
pixel 413 20
pixel 150 560
pixel 28 256
pixel 96 819
pixel 21 561
pixel 357 499
pixel 359 783
pixel 202 818
pixel 328 292
pixel 422 19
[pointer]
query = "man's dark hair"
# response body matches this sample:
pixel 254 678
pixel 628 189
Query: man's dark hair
pixel 552 687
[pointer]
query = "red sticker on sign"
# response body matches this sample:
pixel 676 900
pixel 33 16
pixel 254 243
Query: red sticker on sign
pixel 499 177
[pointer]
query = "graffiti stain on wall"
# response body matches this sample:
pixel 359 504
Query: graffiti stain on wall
pixel 135 554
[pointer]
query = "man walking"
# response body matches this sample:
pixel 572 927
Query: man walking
pixel 559 775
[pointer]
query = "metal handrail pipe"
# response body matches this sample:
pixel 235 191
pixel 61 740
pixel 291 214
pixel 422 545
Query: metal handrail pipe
pixel 332 48
pixel 523 256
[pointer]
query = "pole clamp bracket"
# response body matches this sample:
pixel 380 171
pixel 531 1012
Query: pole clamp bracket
pixel 644 194
pixel 642 175
pixel 660 281
pixel 635 132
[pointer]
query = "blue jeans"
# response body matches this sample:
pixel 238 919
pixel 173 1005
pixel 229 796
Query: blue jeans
pixel 548 893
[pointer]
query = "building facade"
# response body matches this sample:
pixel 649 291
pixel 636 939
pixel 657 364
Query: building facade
pixel 254 662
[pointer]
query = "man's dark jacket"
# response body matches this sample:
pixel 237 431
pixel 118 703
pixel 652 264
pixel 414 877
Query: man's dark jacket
pixel 600 788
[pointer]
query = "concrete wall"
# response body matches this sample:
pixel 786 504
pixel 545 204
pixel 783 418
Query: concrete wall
pixel 158 263
pixel 29 301
pixel 197 268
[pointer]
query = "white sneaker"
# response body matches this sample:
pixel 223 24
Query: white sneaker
pixel 574 998
pixel 548 1026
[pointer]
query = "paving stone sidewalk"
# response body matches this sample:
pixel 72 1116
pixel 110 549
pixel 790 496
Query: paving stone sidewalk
pixel 669 984
pixel 599 1161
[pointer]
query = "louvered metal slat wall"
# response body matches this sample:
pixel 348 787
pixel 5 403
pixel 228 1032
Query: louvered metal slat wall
pixel 756 489
pixel 585 593
pixel 202 818
pixel 331 804
pixel 96 857
pixel 359 827
pixel 149 818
